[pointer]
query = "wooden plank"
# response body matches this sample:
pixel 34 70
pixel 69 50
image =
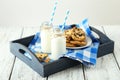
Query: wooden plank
pixel 6 58
pixel 105 69
pixel 21 71
pixel 74 73
pixel 114 32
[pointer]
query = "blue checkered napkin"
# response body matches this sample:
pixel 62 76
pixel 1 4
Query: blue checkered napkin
pixel 87 55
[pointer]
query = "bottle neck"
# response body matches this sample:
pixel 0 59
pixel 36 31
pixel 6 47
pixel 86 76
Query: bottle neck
pixel 46 26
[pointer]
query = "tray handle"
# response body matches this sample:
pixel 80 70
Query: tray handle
pixel 103 38
pixel 18 50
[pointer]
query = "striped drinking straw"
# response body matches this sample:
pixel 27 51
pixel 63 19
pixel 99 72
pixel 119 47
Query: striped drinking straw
pixel 53 12
pixel 66 17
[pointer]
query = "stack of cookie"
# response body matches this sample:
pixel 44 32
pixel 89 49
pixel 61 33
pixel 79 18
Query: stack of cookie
pixel 75 37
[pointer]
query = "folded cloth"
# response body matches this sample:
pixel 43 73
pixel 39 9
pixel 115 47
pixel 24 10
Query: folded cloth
pixel 87 55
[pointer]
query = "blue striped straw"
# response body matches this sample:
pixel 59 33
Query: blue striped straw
pixel 66 17
pixel 53 12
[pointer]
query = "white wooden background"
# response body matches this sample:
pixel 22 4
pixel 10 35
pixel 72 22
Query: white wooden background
pixel 11 68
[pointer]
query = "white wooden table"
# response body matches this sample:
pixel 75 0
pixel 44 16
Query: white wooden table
pixel 11 68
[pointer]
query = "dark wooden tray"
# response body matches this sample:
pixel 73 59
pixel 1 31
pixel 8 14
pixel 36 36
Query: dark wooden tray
pixel 20 46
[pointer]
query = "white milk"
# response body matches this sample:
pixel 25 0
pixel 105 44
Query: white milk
pixel 46 41
pixel 58 46
pixel 46 32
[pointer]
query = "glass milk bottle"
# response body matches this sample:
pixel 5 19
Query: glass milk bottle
pixel 58 42
pixel 46 32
